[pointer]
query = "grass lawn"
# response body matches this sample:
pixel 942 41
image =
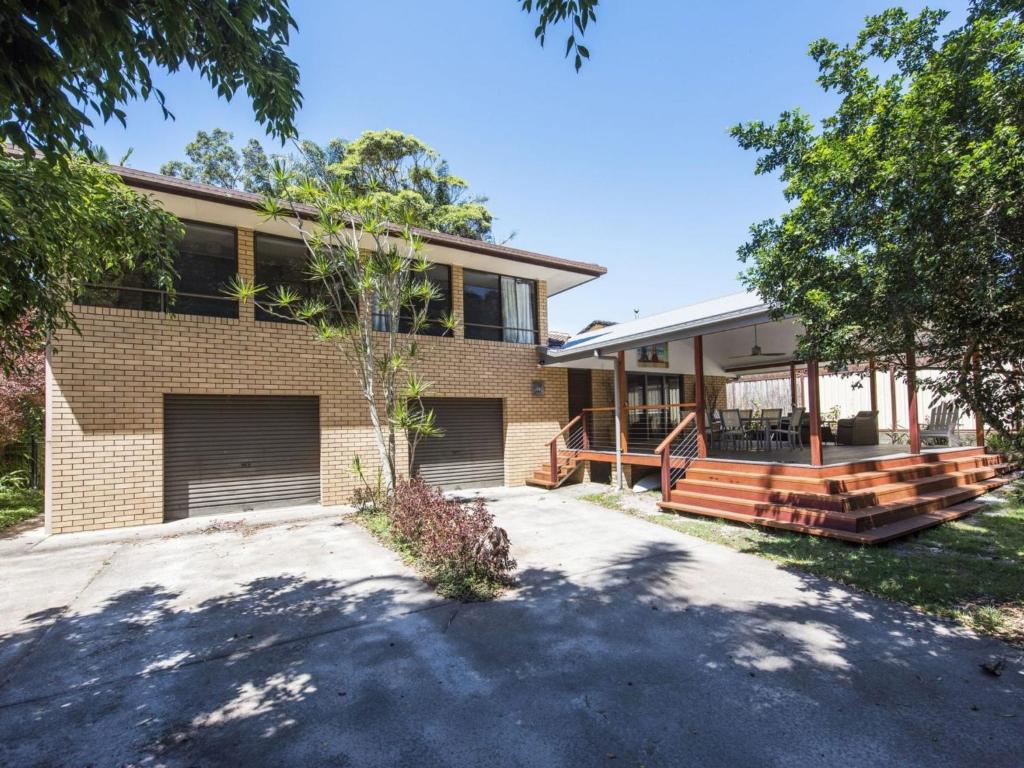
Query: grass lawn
pixel 970 570
pixel 18 505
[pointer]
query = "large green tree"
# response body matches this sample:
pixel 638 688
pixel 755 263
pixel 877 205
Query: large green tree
pixel 63 226
pixel 66 62
pixel 64 223
pixel 406 177
pixel 905 229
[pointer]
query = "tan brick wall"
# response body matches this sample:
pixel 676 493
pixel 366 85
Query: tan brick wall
pixel 106 387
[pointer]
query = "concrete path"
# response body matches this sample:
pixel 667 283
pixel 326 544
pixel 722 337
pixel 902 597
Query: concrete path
pixel 294 639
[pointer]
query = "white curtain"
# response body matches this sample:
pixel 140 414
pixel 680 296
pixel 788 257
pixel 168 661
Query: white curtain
pixel 517 310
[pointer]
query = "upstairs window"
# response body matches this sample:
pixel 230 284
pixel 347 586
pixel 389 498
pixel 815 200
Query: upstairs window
pixel 499 308
pixel 440 276
pixel 280 262
pixel 206 262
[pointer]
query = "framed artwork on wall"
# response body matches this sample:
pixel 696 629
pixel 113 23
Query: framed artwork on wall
pixel 654 355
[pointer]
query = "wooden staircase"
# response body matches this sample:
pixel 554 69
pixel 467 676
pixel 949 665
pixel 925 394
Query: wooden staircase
pixel 867 502
pixel 567 466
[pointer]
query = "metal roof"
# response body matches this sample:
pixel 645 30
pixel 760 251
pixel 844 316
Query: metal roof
pixel 736 310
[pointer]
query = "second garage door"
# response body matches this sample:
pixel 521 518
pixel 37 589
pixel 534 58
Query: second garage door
pixel 471 454
pixel 227 453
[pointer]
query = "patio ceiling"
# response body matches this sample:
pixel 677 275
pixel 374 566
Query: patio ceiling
pixel 727 325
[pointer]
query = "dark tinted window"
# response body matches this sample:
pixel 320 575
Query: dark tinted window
pixel 499 308
pixel 280 261
pixel 481 301
pixel 207 260
pixel 441 277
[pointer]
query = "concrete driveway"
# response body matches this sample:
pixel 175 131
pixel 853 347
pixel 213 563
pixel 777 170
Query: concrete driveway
pixel 304 643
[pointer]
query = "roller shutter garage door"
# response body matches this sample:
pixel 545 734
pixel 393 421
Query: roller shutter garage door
pixel 225 453
pixel 471 452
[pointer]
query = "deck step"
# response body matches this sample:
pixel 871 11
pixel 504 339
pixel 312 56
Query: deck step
pixel 566 468
pixel 897 461
pixel 878 535
pixel 860 519
pixel 710 471
pixel 839 502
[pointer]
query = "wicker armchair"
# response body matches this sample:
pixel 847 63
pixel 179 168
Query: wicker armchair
pixel 862 429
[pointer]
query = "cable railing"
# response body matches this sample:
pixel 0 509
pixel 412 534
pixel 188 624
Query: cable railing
pixel 644 426
pixel 593 431
pixel 574 437
pixel 679 448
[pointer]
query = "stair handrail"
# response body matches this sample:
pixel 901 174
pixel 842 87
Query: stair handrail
pixel 666 455
pixel 553 445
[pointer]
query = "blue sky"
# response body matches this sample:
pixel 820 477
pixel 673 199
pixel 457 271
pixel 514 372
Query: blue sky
pixel 628 164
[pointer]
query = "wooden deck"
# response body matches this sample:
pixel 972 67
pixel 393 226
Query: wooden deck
pixel 862 494
pixel 867 500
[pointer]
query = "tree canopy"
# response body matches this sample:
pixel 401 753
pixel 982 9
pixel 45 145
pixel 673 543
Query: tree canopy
pixel 407 179
pixel 66 61
pixel 906 227
pixel 577 13
pixel 62 228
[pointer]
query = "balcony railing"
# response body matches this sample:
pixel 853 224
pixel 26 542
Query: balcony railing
pixel 156 300
pixel 645 426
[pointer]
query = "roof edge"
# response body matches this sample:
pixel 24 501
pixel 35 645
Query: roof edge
pixel 169 184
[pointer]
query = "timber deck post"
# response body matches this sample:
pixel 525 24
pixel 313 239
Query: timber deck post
pixel 979 420
pixel 814 414
pixel 872 384
pixel 912 414
pixel 698 395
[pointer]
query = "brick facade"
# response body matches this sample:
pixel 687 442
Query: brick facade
pixel 105 392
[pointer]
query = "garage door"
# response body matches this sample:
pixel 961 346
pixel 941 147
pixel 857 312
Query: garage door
pixel 239 452
pixel 471 452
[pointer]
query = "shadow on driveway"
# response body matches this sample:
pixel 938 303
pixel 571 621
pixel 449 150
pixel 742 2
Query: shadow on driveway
pixel 618 664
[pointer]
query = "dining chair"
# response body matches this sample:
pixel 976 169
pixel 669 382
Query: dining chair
pixel 792 431
pixel 732 426
pixel 771 421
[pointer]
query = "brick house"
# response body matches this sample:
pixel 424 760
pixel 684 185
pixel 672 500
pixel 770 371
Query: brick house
pixel 154 415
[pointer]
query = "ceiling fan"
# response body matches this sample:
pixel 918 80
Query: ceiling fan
pixel 756 351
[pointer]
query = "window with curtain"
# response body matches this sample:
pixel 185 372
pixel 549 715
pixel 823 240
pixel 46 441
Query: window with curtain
pixel 654 389
pixel 440 276
pixel 499 307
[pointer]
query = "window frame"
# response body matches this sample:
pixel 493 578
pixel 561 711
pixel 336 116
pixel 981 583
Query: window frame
pixel 466 324
pixel 160 295
pixel 262 316
pixel 441 331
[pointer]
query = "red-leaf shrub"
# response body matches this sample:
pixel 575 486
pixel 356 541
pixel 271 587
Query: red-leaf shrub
pixel 22 391
pixel 456 539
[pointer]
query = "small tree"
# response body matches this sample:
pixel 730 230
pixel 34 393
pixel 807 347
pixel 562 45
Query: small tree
pixel 367 295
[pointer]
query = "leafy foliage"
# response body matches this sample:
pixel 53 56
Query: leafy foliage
pixel 22 392
pixel 17 503
pixel 65 61
pixel 212 160
pixel 579 13
pixel 368 295
pixel 61 227
pixel 906 226
pixel 464 553
pixel 406 178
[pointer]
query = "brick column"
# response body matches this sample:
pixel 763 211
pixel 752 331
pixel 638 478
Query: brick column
pixel 542 311
pixel 458 308
pixel 246 270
